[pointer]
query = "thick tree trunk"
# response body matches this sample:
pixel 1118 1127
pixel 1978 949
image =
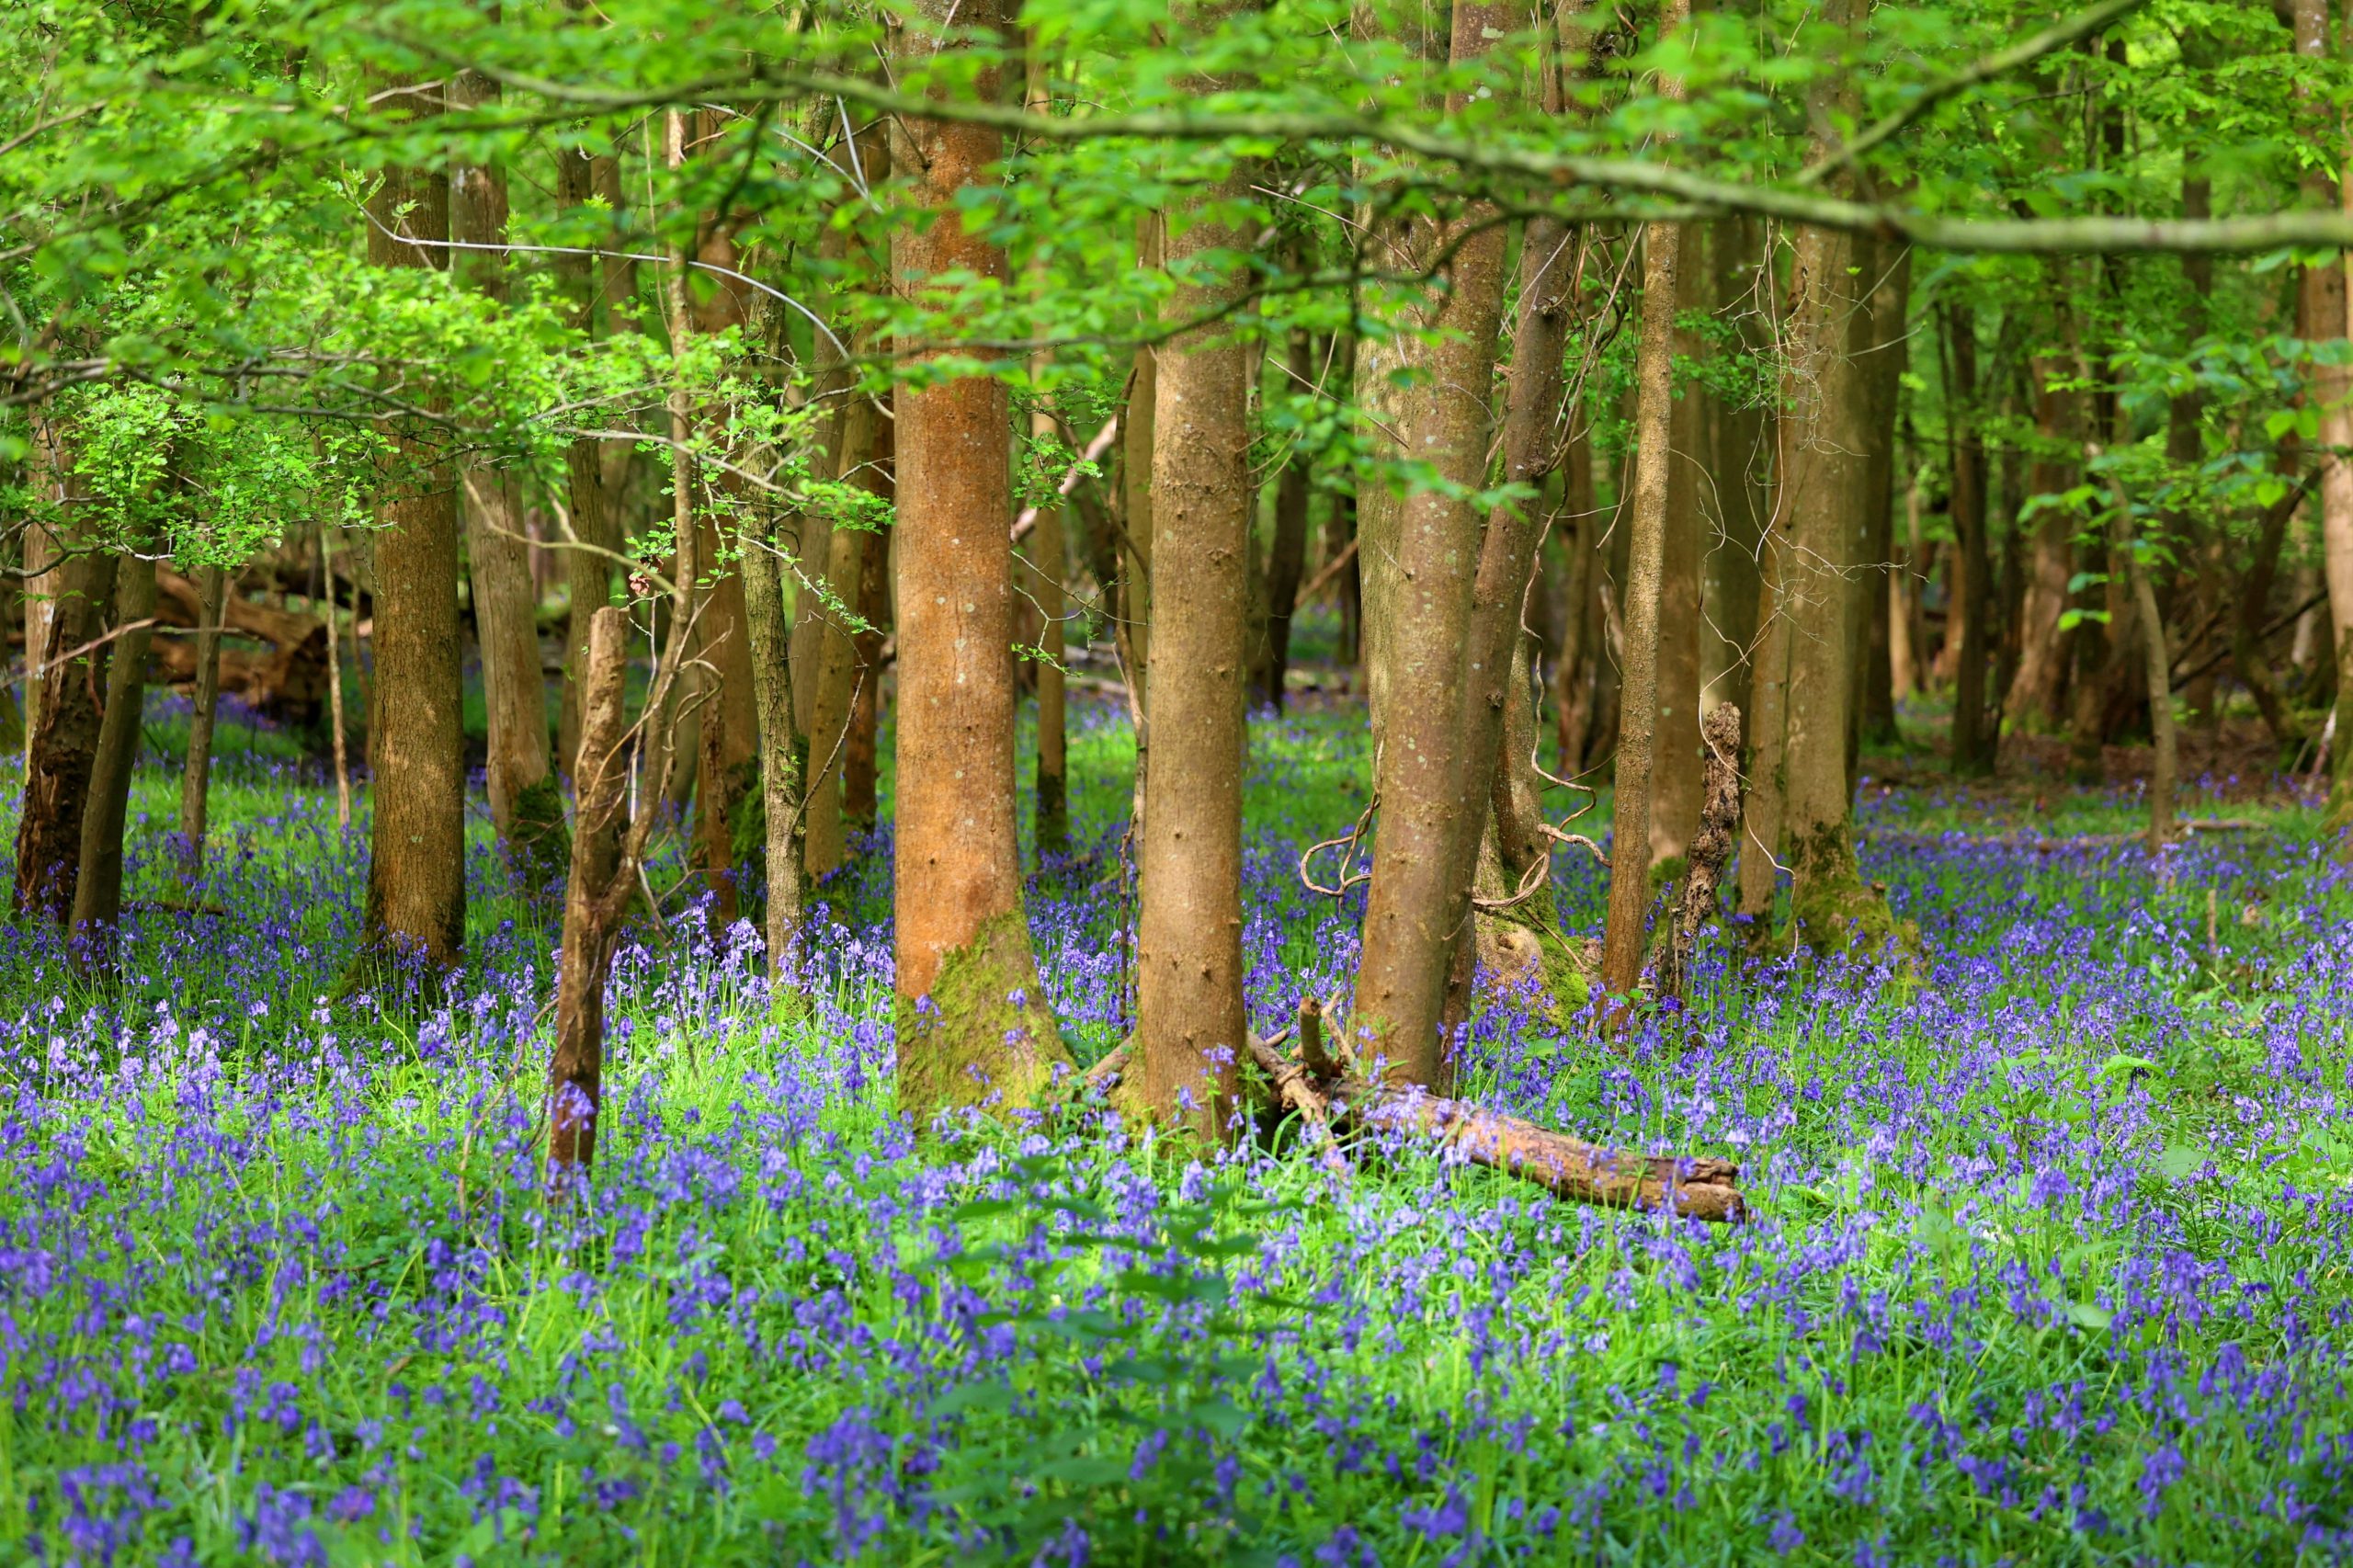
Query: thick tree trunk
pixel 1624 934
pixel 1432 786
pixel 526 807
pixel 1190 1029
pixel 416 865
pixel 97 890
pixel 596 893
pixel 974 1028
pixel 62 749
pixel 196 769
pixel 2325 313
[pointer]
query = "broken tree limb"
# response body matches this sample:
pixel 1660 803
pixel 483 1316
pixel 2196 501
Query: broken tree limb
pixel 1711 851
pixel 1567 1167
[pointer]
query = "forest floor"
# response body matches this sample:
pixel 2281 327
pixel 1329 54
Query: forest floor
pixel 2051 1260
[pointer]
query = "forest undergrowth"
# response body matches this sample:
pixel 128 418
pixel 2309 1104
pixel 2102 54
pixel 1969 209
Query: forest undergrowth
pixel 2049 1260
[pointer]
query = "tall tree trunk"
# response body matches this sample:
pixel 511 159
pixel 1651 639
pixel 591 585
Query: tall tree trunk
pixel 840 681
pixel 97 890
pixel 1189 1022
pixel 1974 744
pixel 973 1026
pixel 1286 559
pixel 526 807
pixel 1826 475
pixel 62 750
pixel 861 766
pixel 1623 935
pixel 416 864
pixel 1433 791
pixel 1738 465
pixel 2325 319
pixel 196 770
pixel 1885 357
pixel 1674 732
pixel 587 573
pixel 784 749
pixel 1048 564
pixel 2038 692
pixel 2157 667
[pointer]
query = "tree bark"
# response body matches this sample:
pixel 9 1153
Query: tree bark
pixel 2038 692
pixel 2325 318
pixel 416 869
pixel 860 767
pixel 1738 467
pixel 97 888
pixel 973 1026
pixel 594 894
pixel 526 807
pixel 588 573
pixel 1975 746
pixel 62 750
pixel 1287 557
pixel 1432 789
pixel 2157 667
pixel 1675 786
pixel 784 751
pixel 840 681
pixel 1191 1029
pixel 196 770
pixel 1627 927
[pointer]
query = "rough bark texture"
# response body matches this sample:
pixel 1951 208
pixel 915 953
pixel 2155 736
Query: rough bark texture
pixel 595 895
pixel 63 747
pixel 1675 784
pixel 97 890
pixel 1432 800
pixel 196 769
pixel 1626 928
pixel 416 869
pixel 974 1028
pixel 1190 1021
pixel 1711 851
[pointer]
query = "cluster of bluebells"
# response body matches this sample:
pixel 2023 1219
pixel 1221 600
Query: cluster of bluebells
pixel 2051 1256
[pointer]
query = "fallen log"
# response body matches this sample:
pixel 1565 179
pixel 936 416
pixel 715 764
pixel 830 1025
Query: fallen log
pixel 287 682
pixel 1567 1167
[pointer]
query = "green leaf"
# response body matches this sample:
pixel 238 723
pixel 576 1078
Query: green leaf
pixel 2086 1315
pixel 2181 1161
pixel 2122 1066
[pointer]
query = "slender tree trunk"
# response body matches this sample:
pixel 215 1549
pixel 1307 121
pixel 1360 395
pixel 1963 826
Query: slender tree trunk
pixel 62 750
pixel 1287 560
pixel 588 573
pixel 1739 468
pixel 1433 791
pixel 591 908
pixel 417 867
pixel 2038 692
pixel 1137 442
pixel 840 681
pixel 196 770
pixel 2157 667
pixel 97 890
pixel 974 1028
pixel 1974 745
pixel 784 753
pixel 1190 1021
pixel 1623 935
pixel 861 766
